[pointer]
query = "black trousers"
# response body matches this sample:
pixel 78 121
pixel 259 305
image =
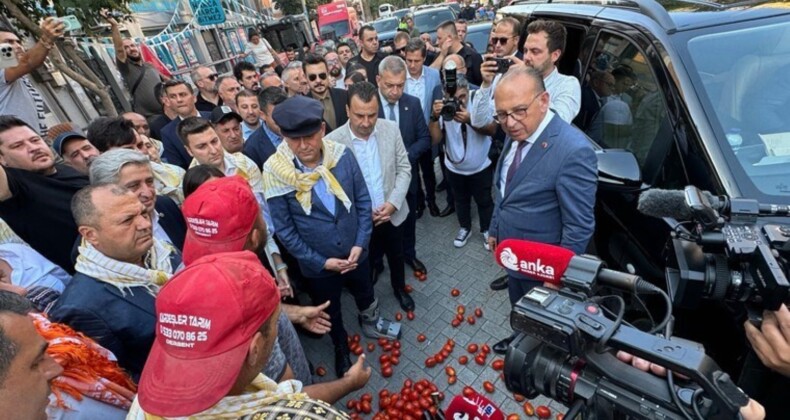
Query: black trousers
pixel 387 239
pixel 450 195
pixel 477 186
pixel 425 165
pixel 329 288
pixel 410 227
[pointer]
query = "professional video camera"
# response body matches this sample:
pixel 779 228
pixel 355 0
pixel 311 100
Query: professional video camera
pixel 567 339
pixel 450 105
pixel 729 254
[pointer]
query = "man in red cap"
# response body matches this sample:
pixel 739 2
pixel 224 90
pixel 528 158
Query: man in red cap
pixel 208 354
pixel 213 229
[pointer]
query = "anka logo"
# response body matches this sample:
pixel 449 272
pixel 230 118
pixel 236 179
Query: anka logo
pixel 531 268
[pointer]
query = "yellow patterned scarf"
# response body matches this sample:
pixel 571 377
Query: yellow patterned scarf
pixel 8 236
pixel 280 175
pixel 168 180
pixel 124 276
pixel 262 392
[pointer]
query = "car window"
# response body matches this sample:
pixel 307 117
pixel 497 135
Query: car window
pixel 622 104
pixel 429 20
pixel 385 25
pixel 479 40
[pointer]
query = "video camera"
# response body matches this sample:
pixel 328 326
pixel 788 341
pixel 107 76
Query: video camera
pixel 729 254
pixel 566 342
pixel 450 105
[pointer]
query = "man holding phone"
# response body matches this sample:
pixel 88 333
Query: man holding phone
pixel 18 97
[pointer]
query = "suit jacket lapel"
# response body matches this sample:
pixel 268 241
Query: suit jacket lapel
pixel 134 300
pixel 536 152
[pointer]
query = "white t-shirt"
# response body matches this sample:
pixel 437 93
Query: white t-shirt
pixel 20 99
pixel 262 52
pixel 469 159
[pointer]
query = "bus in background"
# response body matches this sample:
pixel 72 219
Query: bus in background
pixel 338 19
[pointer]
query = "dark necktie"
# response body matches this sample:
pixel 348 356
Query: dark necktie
pixel 511 171
pixel 391 115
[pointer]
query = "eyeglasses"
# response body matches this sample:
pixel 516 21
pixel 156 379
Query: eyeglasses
pixel 212 76
pixel 312 77
pixel 518 114
pixel 501 40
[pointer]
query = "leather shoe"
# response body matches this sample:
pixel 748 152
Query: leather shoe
pixel 406 302
pixel 501 346
pixel 417 265
pixel 499 283
pixel 342 360
pixel 433 209
pixel 450 209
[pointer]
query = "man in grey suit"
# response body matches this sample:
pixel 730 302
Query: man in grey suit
pixel 384 162
pixel 545 180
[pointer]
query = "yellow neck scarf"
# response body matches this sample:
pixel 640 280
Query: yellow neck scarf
pixel 280 175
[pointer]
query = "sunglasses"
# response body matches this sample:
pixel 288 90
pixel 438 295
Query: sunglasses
pixel 212 76
pixel 399 51
pixel 312 77
pixel 503 40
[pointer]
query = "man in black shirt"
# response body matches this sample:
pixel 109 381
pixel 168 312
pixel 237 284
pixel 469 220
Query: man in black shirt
pixel 450 43
pixel 369 57
pixel 35 192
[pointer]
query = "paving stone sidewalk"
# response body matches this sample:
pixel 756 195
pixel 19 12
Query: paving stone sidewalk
pixel 469 269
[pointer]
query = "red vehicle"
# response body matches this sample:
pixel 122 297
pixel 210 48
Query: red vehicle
pixel 337 17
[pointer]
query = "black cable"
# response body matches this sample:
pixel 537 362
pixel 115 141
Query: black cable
pixel 694 404
pixel 644 306
pixel 667 315
pixel 617 322
pixel 675 398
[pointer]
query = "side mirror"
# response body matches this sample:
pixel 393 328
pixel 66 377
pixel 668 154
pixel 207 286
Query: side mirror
pixel 618 168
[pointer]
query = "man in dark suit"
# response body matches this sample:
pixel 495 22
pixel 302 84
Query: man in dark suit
pixel 594 96
pixel 322 210
pixel 182 98
pixel 546 177
pixel 407 112
pixel 132 170
pixel 263 142
pixel 119 271
pixel 333 100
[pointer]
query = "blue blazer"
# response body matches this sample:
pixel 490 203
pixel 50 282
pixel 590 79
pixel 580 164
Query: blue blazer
pixel 123 324
pixel 259 147
pixel 414 131
pixel 172 220
pixel 552 194
pixel 432 80
pixel 174 151
pixel 321 235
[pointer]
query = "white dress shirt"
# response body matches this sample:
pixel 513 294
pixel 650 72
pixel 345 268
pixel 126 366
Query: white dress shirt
pixel 512 152
pixel 367 154
pixel 416 87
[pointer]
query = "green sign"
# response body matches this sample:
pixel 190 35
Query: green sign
pixel 208 12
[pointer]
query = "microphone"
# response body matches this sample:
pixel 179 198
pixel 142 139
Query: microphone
pixel 550 263
pixel 664 203
pixel 473 407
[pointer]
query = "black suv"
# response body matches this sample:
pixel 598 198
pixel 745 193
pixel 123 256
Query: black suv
pixel 698 94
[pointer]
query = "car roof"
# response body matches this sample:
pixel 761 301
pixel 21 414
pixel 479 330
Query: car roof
pixel 672 16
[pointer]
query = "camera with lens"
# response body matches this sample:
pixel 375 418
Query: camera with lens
pixel 730 254
pixel 566 345
pixel 450 105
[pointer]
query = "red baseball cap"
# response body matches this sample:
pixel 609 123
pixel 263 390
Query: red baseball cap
pixel 219 215
pixel 206 316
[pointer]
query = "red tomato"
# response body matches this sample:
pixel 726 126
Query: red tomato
pixel 498 364
pixel 410 315
pixel 395 360
pixel 468 391
pixel 543 412
pixel 488 386
pixel 472 348
pixel 407 384
pixel 449 370
pixel 386 372
pixel 480 359
pixel 356 338
pixel 366 397
pixel 384 358
pixel 455 323
pixel 463 360
pixel 486 349
pixel 395 353
pixel 478 312
pixel 408 288
pixel 421 338
pixel 519 398
pixel 559 416
pixel 513 417
pixel 383 341
pixel 529 409
pixel 321 371
pixel 460 309
pixel 398 316
pixel 430 362
pixel 439 358
pixel 471 320
pixel 371 347
pixel 350 404
pixel 451 380
pixel 455 293
pixel 365 407
pixel 396 344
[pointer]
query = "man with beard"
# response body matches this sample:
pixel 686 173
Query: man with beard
pixel 336 71
pixel 140 77
pixel 250 112
pixel 227 124
pixel 333 100
pixel 76 150
pixel 17 96
pixel 35 192
pixel 206 81
pixel 246 73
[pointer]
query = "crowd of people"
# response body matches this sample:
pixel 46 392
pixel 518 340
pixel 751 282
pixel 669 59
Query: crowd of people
pixel 159 254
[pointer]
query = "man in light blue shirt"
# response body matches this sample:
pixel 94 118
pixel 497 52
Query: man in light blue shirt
pixel 250 111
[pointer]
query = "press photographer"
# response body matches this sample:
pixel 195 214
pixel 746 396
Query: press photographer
pixel 469 170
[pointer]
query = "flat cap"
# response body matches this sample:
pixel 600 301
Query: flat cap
pixel 298 116
pixel 223 112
